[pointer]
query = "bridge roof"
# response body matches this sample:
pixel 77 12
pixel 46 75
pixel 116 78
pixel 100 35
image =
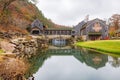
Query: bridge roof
pixel 59 29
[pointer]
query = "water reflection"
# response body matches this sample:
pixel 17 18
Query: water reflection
pixel 114 61
pixel 36 62
pixel 59 42
pixel 70 62
pixel 92 59
pixel 94 63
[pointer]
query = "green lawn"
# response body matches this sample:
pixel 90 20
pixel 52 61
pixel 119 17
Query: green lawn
pixel 109 46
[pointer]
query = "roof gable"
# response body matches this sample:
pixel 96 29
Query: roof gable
pixel 37 23
pixel 80 25
pixel 94 21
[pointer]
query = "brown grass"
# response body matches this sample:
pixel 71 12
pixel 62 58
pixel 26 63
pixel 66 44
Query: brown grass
pixel 11 67
pixel 12 28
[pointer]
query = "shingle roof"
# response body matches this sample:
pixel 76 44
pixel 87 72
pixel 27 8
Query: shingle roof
pixel 37 23
pixel 93 21
pixel 81 24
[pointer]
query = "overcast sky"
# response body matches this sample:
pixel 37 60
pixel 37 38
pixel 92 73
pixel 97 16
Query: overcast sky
pixel 71 12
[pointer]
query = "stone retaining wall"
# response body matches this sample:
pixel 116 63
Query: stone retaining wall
pixel 24 48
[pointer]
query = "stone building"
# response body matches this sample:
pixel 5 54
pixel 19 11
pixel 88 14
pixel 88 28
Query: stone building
pixel 37 27
pixel 92 30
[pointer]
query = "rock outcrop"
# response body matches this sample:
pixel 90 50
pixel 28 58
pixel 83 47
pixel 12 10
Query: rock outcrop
pixel 27 48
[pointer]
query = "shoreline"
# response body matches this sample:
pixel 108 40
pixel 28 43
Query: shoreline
pixel 101 52
pixel 22 46
pixel 92 45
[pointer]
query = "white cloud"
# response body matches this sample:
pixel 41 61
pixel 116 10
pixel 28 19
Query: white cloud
pixel 70 12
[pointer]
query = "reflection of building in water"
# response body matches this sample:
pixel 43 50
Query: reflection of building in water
pixel 92 59
pixel 37 61
pixel 114 61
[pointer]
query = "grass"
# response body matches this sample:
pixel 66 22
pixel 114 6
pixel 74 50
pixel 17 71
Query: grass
pixel 109 46
pixel 1 51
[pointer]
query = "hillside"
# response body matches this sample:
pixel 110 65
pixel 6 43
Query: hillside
pixel 20 15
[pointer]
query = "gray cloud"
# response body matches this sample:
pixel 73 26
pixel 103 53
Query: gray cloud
pixel 70 12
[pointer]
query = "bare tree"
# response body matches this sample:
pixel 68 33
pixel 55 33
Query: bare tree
pixel 115 21
pixel 5 3
pixel 114 24
pixel 4 15
pixel 5 18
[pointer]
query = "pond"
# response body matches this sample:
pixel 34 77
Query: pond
pixel 76 64
pixel 64 63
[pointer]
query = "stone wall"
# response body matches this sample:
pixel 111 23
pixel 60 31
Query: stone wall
pixel 28 48
pixel 11 35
